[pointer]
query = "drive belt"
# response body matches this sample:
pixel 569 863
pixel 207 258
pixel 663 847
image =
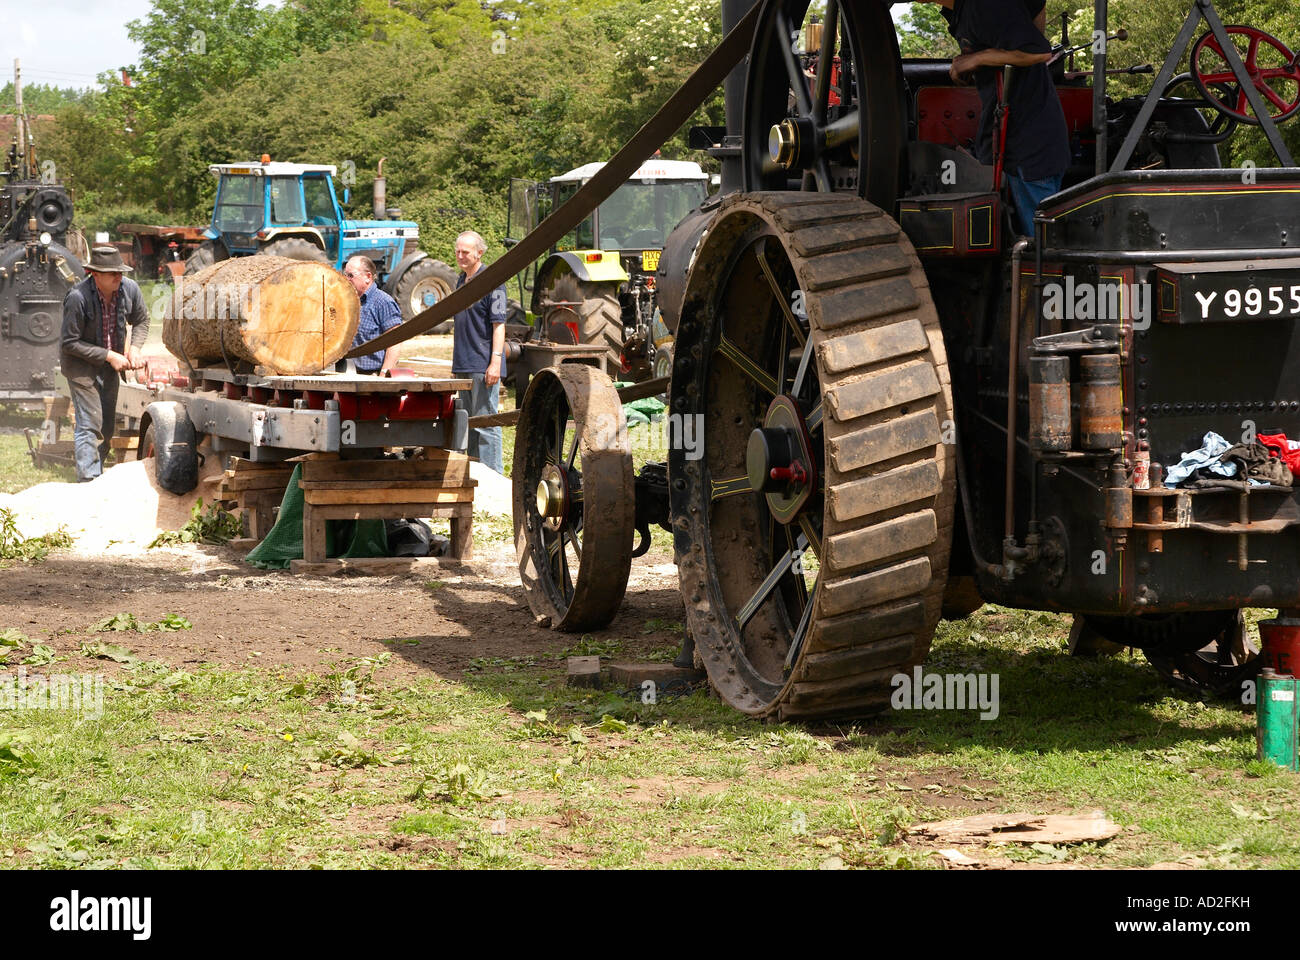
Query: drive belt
pixel 688 98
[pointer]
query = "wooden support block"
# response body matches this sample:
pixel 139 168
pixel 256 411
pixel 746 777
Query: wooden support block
pixel 331 471
pixel 390 496
pixel 256 482
pixel 634 675
pixel 125 443
pixel 244 544
pixel 462 536
pixel 584 671
pixel 238 465
pixel 382 511
pixel 455 476
pixel 313 537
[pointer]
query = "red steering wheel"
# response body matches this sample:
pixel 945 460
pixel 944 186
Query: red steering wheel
pixel 1277 78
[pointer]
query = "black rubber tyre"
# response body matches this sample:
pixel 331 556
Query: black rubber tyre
pixel 425 283
pixel 663 365
pixel 208 253
pixel 600 317
pixel 295 248
pixel 174 443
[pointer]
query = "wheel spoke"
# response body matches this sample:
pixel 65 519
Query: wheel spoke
pixel 782 568
pixel 781 297
pixel 1269 92
pixel 803 369
pixel 814 419
pixel 747 365
pixel 573 450
pixel 801 631
pixel 729 488
pixel 825 60
pixel 813 537
pixel 798 82
pixel 800 587
pixel 573 539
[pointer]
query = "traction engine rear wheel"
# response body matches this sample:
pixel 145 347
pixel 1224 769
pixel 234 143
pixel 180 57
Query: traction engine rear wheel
pixel 812 536
pixel 574 506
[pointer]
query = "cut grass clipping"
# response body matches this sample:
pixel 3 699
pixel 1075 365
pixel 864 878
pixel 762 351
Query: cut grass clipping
pixel 214 526
pixel 13 546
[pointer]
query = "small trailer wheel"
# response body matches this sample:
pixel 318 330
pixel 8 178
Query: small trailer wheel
pixel 170 438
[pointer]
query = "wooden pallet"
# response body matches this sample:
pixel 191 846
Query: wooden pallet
pixel 255 490
pixel 334 489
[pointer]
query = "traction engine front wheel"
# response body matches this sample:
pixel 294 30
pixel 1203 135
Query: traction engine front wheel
pixel 574 506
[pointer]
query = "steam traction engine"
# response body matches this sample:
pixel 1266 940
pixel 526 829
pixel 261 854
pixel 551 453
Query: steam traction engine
pixel 888 409
pixel 36 271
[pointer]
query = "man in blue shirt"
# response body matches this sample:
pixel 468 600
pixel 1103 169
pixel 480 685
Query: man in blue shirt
pixel 379 314
pixel 997 33
pixel 479 343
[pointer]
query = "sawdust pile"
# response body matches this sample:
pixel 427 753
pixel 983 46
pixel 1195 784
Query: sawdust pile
pixel 119 512
pixel 493 493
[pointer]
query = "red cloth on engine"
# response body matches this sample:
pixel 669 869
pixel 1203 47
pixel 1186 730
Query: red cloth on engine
pixel 1278 444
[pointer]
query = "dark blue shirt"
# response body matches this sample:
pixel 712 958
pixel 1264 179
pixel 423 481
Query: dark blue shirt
pixel 472 333
pixel 379 314
pixel 1038 141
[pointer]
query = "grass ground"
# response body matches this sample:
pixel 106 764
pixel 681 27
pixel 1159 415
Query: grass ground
pixel 507 766
pixel 16 469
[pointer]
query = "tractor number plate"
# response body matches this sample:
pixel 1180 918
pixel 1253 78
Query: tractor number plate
pixel 650 260
pixel 1229 292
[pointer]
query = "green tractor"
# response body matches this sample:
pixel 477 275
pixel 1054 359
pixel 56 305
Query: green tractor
pixel 598 284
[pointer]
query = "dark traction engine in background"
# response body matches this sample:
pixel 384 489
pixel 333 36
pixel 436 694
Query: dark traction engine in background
pixel 37 269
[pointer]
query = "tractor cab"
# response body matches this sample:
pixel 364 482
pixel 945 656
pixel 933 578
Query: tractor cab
pixel 260 202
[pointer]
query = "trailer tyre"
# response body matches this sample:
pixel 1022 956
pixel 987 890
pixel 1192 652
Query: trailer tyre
pixel 170 438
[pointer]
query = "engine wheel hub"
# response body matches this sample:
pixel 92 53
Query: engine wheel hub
pixel 780 460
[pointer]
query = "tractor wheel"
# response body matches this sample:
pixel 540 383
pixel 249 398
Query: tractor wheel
pixel 599 316
pixel 423 285
pixel 574 503
pixel 205 255
pixel 812 531
pixel 295 248
pixel 663 361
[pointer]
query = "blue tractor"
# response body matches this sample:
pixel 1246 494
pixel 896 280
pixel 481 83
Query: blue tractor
pixel 290 210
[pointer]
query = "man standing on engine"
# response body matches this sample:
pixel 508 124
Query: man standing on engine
pixel 96 313
pixel 997 33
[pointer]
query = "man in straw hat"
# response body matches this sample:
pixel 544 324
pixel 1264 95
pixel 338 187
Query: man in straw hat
pixel 96 313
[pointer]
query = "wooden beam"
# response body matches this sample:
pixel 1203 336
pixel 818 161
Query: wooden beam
pixel 637 391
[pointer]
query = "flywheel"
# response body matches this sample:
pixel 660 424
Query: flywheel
pixel 813 524
pixel 574 506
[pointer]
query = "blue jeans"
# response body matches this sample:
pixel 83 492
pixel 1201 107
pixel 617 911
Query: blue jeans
pixel 1026 195
pixel 94 402
pixel 481 400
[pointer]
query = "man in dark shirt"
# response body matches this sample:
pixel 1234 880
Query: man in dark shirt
pixel 997 33
pixel 379 314
pixel 478 350
pixel 95 353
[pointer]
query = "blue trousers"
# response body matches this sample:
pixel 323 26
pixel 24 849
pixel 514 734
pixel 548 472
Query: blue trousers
pixel 481 400
pixel 1027 195
pixel 94 403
